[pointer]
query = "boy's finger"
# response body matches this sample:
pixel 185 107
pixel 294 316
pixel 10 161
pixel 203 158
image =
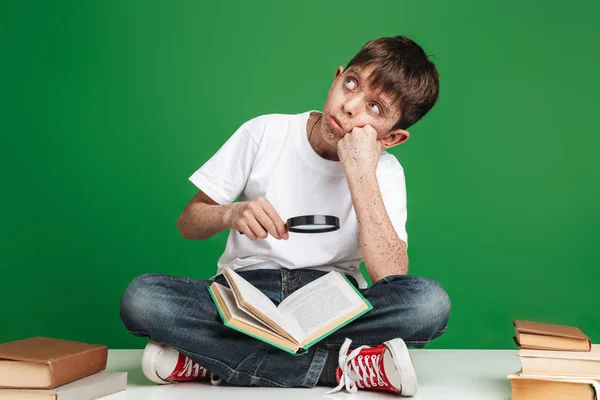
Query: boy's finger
pixel 245 230
pixel 266 222
pixel 257 229
pixel 274 216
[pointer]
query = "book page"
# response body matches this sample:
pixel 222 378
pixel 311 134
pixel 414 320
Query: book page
pixel 247 310
pixel 319 303
pixel 224 298
pixel 256 300
pixel 229 300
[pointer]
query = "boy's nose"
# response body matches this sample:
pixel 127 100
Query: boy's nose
pixel 351 106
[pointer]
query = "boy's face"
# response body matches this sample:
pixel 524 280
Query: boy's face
pixel 352 103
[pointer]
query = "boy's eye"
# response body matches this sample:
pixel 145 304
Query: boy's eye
pixel 350 83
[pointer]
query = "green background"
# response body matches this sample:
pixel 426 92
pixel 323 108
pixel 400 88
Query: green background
pixel 108 107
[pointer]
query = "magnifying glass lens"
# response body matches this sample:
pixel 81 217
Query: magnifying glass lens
pixel 313 227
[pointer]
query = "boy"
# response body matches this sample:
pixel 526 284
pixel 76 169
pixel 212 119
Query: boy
pixel 332 162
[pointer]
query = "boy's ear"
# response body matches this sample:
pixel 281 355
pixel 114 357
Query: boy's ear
pixel 394 138
pixel 338 72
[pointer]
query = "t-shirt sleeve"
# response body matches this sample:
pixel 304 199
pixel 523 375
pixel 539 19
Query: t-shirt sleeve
pixel 224 176
pixel 393 192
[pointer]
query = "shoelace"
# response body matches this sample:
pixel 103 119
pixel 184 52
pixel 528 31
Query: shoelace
pixel 192 368
pixel 355 372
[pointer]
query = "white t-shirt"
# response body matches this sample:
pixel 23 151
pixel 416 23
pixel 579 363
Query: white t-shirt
pixel 270 156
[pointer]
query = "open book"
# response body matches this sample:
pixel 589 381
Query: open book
pixel 300 320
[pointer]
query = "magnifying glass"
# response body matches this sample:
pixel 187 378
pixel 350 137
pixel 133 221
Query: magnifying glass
pixel 312 224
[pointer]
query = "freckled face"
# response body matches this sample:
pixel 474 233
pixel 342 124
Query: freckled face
pixel 352 103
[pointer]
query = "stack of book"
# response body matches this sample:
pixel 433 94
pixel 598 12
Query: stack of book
pixel 42 368
pixel 558 362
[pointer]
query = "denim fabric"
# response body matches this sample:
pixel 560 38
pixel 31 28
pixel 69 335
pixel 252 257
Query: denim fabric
pixel 179 312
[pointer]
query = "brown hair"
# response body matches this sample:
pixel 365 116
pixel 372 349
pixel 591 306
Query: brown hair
pixel 403 71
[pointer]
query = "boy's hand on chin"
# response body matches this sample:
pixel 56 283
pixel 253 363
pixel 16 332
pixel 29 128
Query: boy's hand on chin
pixel 359 151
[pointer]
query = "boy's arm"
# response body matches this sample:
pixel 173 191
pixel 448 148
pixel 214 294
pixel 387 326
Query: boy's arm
pixel 203 217
pixel 383 250
pixel 224 176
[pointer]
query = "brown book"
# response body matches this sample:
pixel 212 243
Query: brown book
pixel 45 363
pixel 543 336
pixel 552 388
pixel 583 364
pixel 89 388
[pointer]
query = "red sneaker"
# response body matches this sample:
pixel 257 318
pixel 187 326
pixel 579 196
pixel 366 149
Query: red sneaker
pixel 386 367
pixel 163 364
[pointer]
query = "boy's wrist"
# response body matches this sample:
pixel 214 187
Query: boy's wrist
pixel 227 215
pixel 361 178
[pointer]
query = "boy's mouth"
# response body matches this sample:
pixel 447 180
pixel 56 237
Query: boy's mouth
pixel 335 124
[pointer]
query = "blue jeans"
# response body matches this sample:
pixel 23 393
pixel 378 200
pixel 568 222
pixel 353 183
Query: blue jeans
pixel 179 312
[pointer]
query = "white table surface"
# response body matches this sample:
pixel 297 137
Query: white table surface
pixel 442 374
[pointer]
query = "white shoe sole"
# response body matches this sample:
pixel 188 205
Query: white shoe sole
pixel 404 364
pixel 149 362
